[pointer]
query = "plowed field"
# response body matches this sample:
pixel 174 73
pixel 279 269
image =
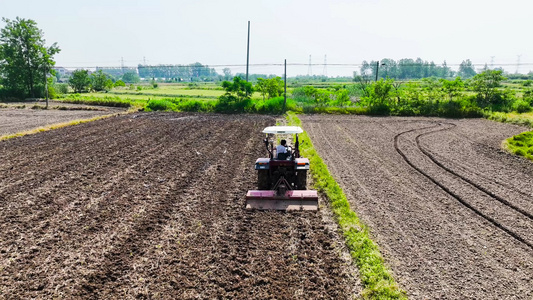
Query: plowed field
pixel 151 206
pixel 451 212
pixel 16 120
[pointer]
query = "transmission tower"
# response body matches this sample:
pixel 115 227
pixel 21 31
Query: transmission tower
pixel 309 70
pixel 325 72
pixel 492 62
pixel 144 60
pixel 122 64
pixel 518 63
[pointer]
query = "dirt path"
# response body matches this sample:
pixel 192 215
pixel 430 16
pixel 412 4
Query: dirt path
pixel 16 120
pixel 451 212
pixel 151 206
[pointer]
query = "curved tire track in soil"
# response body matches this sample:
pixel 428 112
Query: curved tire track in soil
pixel 456 196
pixel 435 246
pixel 479 187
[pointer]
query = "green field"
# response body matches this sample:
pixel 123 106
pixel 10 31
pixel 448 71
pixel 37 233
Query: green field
pixel 178 91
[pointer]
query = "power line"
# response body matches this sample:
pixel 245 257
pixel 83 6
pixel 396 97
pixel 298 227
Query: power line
pixel 269 64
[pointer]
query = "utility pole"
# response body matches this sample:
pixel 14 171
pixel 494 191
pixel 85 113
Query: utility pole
pixel 377 70
pixel 248 52
pixel 285 80
pixel 309 70
pixel 325 66
pixel 518 63
pixel 46 85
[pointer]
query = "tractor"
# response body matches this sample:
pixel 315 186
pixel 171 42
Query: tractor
pixel 282 177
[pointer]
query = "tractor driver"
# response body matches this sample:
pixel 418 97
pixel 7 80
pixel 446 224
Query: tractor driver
pixel 282 149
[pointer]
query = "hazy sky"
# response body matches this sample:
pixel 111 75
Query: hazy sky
pixel 101 32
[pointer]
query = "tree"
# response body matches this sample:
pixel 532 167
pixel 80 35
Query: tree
pixel 25 61
pixel 227 73
pixel 466 69
pixel 261 87
pixel 100 81
pixel 273 87
pixel 432 88
pixel 79 81
pixel 362 83
pixel 237 90
pixel 486 85
pixel 237 96
pixel 130 77
pixel 452 87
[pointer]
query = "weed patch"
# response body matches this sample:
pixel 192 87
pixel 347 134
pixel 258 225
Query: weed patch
pixel 521 144
pixel 105 101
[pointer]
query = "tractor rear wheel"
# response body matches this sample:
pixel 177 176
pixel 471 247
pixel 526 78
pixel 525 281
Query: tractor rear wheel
pixel 301 180
pixel 262 180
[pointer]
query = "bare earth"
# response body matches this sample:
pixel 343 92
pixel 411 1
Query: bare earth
pixel 149 206
pixel 16 120
pixel 452 213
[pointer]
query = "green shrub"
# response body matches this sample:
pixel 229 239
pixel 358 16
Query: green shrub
pixel 61 88
pixel 196 106
pixel 380 109
pixel 521 144
pixel 160 105
pixel 106 101
pixel 521 106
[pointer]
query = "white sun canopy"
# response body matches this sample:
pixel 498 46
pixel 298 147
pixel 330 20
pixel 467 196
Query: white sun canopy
pixel 283 129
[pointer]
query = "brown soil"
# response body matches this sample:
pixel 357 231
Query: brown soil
pixel 451 211
pixel 152 206
pixel 13 120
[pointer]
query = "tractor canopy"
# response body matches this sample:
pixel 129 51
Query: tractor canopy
pixel 283 129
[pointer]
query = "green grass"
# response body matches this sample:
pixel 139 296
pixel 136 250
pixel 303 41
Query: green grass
pixel 163 105
pixel 175 91
pixel 178 93
pixel 524 119
pixel 102 101
pixel 377 280
pixel 521 144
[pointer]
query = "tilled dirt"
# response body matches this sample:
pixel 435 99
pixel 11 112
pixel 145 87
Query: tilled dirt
pixel 451 211
pixel 13 120
pixel 152 206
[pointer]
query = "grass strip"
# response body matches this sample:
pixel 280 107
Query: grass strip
pixel 98 101
pixel 524 119
pixel 59 125
pixel 520 144
pixel 377 280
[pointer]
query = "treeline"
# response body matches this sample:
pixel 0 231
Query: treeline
pixel 170 72
pixel 178 72
pixel 426 97
pixel 408 68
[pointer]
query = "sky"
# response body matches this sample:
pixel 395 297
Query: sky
pixel 105 32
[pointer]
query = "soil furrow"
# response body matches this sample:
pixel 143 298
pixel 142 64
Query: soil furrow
pixel 161 214
pixel 456 196
pixel 500 199
pixel 450 252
